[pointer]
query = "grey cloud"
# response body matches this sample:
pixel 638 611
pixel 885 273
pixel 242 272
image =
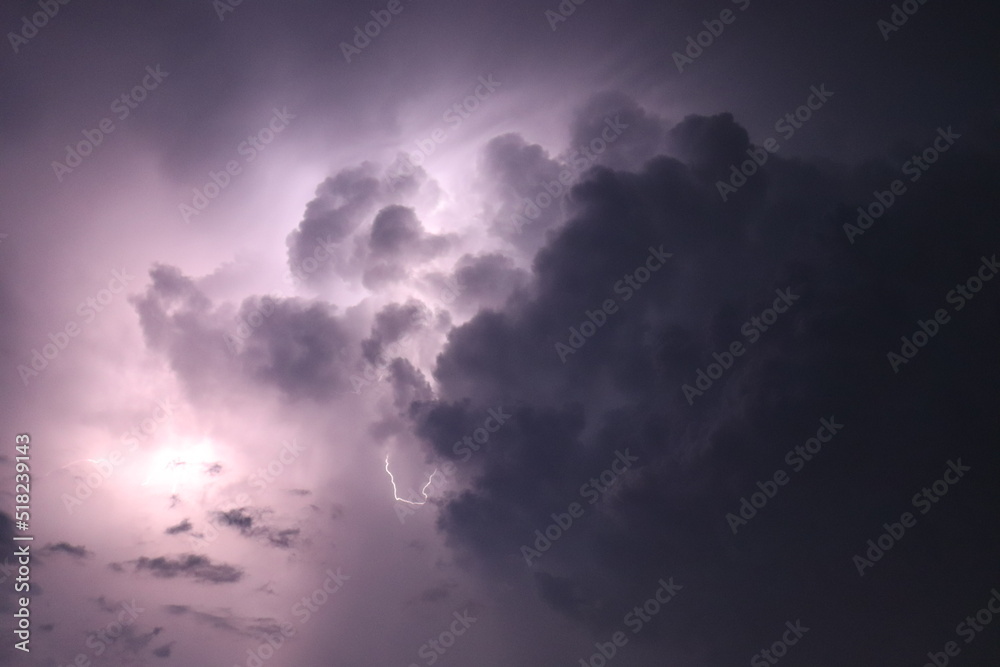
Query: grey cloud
pixel 182 527
pixel 622 389
pixel 391 324
pixel 198 568
pixel 295 346
pixel 77 552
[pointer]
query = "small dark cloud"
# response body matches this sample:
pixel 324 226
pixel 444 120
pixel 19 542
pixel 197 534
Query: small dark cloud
pixel 237 518
pixel 198 568
pixel 74 551
pixel 226 621
pixel 283 538
pixel 183 527
pixel 436 593
pixel 249 523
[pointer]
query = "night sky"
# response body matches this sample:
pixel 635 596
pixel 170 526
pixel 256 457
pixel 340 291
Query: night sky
pixel 500 334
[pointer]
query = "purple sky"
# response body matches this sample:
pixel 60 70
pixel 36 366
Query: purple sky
pixel 505 334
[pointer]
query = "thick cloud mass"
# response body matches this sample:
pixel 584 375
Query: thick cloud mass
pixel 292 345
pixel 825 359
pixel 500 333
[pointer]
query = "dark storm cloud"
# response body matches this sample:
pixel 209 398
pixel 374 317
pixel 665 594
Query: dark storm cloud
pixel 198 568
pixel 535 189
pixel 709 145
pixel 408 383
pixel 642 136
pixel 163 651
pixel 286 343
pixel 484 281
pixel 654 186
pixel 824 359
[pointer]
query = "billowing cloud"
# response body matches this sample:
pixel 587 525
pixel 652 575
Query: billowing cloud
pixel 512 324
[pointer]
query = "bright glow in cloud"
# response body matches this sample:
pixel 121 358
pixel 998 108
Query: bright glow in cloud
pixel 180 465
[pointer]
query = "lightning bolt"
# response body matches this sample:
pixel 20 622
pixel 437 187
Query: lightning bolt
pixel 395 492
